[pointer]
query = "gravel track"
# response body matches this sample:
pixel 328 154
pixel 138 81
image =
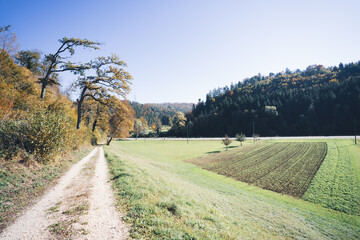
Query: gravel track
pixel 100 221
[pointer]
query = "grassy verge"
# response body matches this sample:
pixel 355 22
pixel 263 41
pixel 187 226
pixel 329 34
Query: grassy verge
pixel 167 198
pixel 20 185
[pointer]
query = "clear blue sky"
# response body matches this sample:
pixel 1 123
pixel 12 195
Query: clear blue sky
pixel 179 50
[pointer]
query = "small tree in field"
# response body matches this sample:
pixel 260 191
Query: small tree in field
pixel 226 141
pixel 240 138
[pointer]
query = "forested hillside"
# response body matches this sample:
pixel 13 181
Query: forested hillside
pixel 162 111
pixel 315 101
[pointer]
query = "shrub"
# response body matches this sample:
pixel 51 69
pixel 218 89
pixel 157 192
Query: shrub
pixel 50 134
pixel 13 138
pixel 44 134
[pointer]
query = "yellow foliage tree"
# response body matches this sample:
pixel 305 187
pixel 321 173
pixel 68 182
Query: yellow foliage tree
pixel 110 78
pixel 121 121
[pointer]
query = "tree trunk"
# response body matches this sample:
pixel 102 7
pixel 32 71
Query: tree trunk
pixel 79 114
pixel 43 87
pixel 48 73
pixel 94 125
pixel 80 101
pixel 108 141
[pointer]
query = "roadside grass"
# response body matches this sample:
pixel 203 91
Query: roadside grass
pixel 167 198
pixel 20 185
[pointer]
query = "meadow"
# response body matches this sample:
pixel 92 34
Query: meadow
pixel 166 197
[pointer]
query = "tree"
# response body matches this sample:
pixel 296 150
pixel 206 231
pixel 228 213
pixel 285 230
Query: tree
pixel 110 78
pixel 179 120
pixel 226 141
pixel 8 40
pixel 55 63
pixel 17 88
pixel 121 121
pixel 30 60
pixel 240 138
pixel 158 125
pixel 140 126
pixel 96 115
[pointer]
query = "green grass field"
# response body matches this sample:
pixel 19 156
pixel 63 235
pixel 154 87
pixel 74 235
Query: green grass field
pixel 167 198
pixel 284 167
pixel 336 184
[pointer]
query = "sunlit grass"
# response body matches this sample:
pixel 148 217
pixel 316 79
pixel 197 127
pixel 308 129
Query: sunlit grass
pixel 169 198
pixel 336 183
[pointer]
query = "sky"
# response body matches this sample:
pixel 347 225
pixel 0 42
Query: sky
pixel 178 51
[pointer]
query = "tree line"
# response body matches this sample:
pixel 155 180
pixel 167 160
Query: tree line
pixel 316 101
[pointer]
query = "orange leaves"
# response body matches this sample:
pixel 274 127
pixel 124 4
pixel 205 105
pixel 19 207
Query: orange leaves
pixel 334 80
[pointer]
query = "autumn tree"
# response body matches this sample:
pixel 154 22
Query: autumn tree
pixel 110 78
pixel 17 88
pixel 121 121
pixel 55 63
pixel 95 115
pixel 140 126
pixel 101 115
pixel 179 120
pixel 178 124
pixel 8 40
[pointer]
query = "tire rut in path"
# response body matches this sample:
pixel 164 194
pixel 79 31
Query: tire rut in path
pixel 89 178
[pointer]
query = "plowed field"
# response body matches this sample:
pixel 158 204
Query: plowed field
pixel 284 167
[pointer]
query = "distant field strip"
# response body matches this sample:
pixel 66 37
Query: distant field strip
pixel 284 167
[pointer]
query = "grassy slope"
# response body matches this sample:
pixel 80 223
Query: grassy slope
pixel 20 185
pixel 168 198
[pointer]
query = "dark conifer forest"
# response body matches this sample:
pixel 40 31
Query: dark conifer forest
pixel 313 102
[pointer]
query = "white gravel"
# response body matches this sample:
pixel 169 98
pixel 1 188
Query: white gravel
pixel 104 221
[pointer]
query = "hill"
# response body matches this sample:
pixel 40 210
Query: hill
pixel 316 101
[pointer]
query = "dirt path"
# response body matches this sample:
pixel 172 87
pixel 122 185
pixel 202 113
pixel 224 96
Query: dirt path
pixel 80 206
